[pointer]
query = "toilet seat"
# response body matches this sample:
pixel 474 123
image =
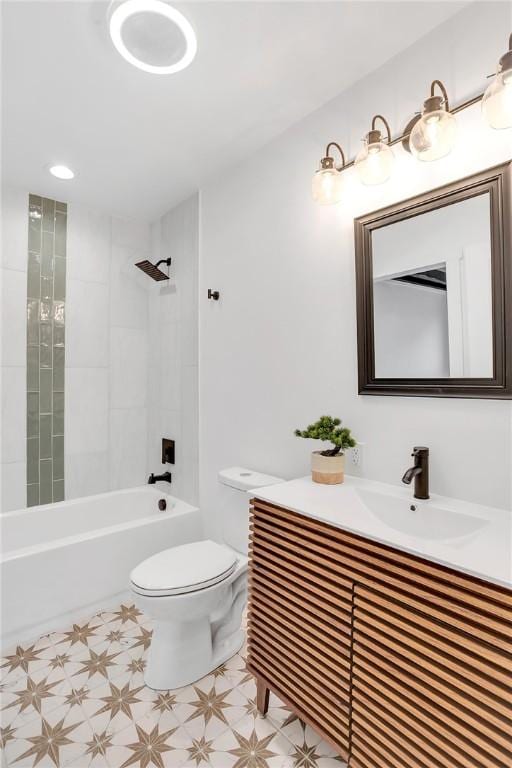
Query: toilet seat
pixel 184 569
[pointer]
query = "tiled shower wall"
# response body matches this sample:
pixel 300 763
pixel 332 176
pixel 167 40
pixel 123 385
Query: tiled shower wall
pixel 46 297
pixel 117 352
pixel 173 354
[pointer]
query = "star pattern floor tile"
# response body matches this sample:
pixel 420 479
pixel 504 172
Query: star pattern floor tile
pixel 77 698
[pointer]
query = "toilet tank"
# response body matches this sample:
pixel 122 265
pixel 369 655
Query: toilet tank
pixel 234 498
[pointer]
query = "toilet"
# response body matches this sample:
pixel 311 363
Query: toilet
pixel 196 593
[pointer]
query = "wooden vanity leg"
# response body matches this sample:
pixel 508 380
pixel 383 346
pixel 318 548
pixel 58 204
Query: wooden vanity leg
pixel 262 695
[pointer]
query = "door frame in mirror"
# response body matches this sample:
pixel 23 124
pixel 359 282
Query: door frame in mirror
pixel 496 181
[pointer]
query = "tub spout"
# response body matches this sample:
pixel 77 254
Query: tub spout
pixel 166 477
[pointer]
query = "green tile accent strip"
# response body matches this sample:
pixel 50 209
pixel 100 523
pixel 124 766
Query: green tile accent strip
pixel 32 414
pixel 45 482
pixel 32 494
pixel 46 298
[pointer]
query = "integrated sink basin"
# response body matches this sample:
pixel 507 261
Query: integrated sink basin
pixel 469 537
pixel 418 518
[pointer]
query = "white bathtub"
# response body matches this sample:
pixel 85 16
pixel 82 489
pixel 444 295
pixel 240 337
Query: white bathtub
pixel 61 561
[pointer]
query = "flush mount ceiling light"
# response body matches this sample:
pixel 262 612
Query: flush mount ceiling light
pixel 153 36
pixel 327 185
pixel 374 162
pixel 497 100
pixel 61 172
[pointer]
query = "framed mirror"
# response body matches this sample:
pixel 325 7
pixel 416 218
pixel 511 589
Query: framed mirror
pixel 434 292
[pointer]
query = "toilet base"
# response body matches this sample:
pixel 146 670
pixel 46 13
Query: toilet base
pixel 181 655
pixel 194 632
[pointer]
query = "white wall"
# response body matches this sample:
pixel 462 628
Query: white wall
pixel 279 348
pixel 411 331
pixel 107 302
pixel 173 354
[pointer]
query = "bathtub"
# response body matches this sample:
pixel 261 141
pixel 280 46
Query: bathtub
pixel 61 562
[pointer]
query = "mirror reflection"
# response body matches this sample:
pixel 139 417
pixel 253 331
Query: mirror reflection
pixel 432 294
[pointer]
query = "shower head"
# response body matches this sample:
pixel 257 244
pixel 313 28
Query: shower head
pixel 152 269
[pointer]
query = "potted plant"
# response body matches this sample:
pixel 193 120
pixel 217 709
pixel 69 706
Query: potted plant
pixel 328 466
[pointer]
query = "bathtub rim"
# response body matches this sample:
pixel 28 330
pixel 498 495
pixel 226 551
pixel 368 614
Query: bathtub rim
pixel 154 490
pixel 179 508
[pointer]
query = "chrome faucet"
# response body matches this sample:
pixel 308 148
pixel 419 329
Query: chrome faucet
pixel 419 472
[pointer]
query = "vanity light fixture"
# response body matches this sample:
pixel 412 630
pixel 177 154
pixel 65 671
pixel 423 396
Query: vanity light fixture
pixel 374 163
pixel 153 36
pixel 433 135
pixel 61 172
pixel 497 100
pixel 428 136
pixel 327 184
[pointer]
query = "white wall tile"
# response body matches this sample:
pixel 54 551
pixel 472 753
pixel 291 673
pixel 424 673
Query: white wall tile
pixel 86 474
pixel 14 317
pixel 128 447
pixel 86 410
pixel 173 405
pixel 133 234
pixel 128 367
pixel 129 290
pixel 170 424
pixel 14 410
pixel 14 228
pixel 168 301
pixel 170 391
pixel 87 322
pixel 189 339
pixel 88 244
pixel 14 484
pixel 189 490
pixel 189 412
pixel 170 343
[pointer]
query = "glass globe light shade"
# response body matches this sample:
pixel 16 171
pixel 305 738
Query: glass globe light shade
pixel 435 133
pixel 327 186
pixel 497 101
pixel 374 163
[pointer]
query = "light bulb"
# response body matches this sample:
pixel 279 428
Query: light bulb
pixel 374 163
pixel 435 133
pixel 497 101
pixel 326 187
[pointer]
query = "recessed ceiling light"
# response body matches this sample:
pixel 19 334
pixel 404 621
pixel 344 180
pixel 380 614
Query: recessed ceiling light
pixel 61 172
pixel 153 36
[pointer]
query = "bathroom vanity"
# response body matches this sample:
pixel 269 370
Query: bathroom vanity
pixel 385 623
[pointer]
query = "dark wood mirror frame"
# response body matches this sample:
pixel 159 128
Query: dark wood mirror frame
pixel 497 182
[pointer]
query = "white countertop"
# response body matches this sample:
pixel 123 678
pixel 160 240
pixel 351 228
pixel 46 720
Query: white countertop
pixel 485 553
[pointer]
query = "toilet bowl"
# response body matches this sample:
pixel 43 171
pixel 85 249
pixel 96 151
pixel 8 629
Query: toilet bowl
pixel 196 594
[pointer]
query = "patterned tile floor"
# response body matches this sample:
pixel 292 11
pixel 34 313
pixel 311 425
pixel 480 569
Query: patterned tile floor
pixel 77 698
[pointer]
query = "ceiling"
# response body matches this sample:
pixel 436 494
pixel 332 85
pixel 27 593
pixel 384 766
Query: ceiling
pixel 140 143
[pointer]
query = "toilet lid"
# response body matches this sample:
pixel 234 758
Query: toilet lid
pixel 186 568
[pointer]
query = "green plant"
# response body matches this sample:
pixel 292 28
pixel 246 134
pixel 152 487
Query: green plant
pixel 327 428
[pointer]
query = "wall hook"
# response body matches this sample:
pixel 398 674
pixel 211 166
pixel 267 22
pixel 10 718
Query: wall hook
pixel 215 295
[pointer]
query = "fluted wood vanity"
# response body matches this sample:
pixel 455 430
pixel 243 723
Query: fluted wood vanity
pixel 398 661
